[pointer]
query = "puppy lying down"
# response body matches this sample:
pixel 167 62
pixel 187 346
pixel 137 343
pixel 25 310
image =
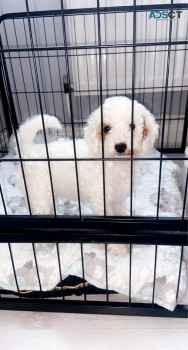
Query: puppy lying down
pixel 115 136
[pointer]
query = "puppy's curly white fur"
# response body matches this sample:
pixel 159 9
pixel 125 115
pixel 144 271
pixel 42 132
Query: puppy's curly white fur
pixel 116 134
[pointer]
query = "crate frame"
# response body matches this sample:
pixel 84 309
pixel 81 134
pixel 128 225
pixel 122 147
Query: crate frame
pixel 133 230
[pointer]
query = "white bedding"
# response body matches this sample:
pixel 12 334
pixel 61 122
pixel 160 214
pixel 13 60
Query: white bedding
pixel 142 268
pixel 145 196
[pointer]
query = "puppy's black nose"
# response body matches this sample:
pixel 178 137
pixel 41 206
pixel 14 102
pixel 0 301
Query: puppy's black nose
pixel 120 147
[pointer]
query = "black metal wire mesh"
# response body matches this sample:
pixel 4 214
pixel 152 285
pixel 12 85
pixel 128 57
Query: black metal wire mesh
pixel 66 63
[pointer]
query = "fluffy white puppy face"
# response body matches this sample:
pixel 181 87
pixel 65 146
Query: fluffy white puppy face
pixel 116 132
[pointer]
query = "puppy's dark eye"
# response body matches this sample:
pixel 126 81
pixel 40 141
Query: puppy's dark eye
pixel 106 129
pixel 132 126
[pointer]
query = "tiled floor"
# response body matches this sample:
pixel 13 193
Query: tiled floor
pixel 50 331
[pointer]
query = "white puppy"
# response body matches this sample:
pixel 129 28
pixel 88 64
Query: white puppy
pixel 116 136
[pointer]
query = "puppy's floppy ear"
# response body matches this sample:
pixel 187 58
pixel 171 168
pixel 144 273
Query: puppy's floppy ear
pixel 150 130
pixel 91 133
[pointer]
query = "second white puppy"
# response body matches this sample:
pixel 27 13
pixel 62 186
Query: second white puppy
pixel 116 135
